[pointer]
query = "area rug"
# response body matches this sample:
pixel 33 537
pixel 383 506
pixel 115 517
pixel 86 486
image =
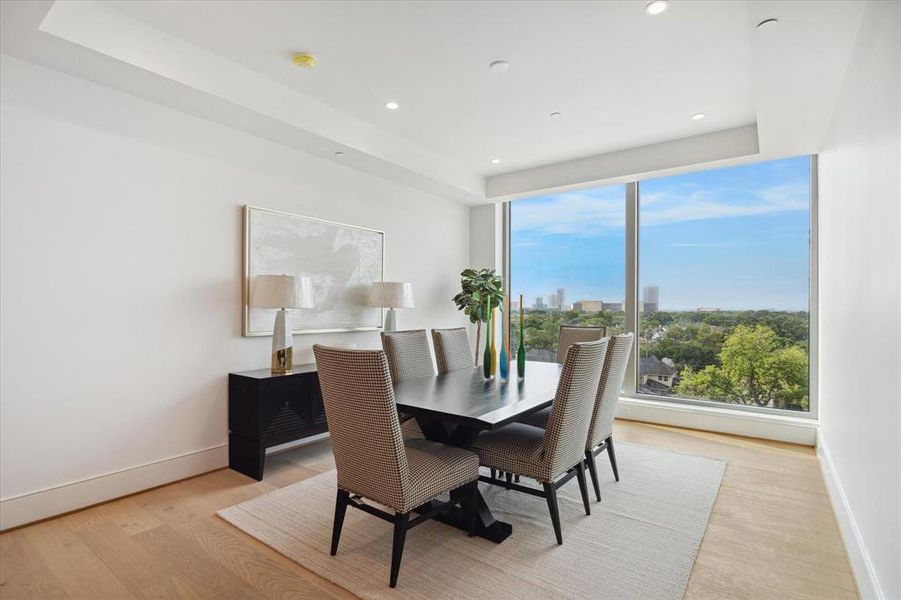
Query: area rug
pixel 639 542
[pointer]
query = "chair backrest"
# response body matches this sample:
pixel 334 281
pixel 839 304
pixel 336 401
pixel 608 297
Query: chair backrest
pixel 363 424
pixel 609 388
pixel 452 349
pixel 570 418
pixel 409 354
pixel 571 334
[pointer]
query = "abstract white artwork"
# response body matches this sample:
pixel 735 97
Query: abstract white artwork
pixel 336 262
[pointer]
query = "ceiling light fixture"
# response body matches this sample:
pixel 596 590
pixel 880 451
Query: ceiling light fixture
pixel 495 161
pixel 768 24
pixel 499 66
pixel 392 105
pixel 698 116
pixel 656 7
pixel 339 153
pixel 304 60
pixel 555 115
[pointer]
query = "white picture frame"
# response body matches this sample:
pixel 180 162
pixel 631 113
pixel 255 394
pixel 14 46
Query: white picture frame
pixel 341 260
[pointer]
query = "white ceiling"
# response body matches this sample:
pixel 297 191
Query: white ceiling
pixel 626 83
pixel 619 77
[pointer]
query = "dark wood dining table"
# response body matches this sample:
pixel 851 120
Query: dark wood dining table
pixel 454 408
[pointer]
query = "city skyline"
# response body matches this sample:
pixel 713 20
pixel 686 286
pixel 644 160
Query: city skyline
pixel 734 238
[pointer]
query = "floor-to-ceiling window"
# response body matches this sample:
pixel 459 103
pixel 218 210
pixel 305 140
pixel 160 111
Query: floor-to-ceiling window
pixel 721 271
pixel 567 260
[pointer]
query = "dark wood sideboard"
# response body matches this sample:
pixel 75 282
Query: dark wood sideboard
pixel 266 409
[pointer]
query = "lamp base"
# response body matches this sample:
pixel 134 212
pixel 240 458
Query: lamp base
pixel 391 320
pixel 282 343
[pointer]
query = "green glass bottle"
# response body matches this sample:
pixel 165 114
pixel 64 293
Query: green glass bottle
pixel 521 352
pixel 486 359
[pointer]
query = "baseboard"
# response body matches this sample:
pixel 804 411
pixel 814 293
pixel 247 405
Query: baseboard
pixel 796 430
pixel 41 504
pixel 864 573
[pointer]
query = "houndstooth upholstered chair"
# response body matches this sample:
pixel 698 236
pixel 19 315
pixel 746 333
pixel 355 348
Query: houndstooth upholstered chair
pixel 600 433
pixel 452 349
pixel 571 334
pixel 553 455
pixel 373 460
pixel 409 356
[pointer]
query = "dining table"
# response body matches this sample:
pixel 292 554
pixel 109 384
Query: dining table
pixel 454 408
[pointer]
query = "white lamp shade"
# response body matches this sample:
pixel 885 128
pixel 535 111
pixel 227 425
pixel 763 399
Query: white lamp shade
pixel 392 294
pixel 281 291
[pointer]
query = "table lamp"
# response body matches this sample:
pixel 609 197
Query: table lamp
pixel 281 292
pixel 391 295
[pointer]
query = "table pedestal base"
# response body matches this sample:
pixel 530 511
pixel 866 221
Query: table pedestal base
pixel 487 526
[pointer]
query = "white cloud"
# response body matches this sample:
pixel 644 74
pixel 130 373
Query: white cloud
pixel 591 212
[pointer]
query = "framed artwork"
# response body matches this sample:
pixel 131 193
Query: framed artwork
pixel 336 262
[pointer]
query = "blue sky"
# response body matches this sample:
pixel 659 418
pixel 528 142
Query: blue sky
pixel 732 238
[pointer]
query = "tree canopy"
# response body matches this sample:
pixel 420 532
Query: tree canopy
pixel 756 358
pixel 754 368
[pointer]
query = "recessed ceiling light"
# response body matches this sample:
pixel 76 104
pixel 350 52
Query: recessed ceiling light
pixel 499 66
pixel 555 115
pixel 339 153
pixel 495 161
pixel 698 116
pixel 392 105
pixel 656 7
pixel 768 23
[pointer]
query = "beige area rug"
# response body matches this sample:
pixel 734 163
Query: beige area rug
pixel 639 542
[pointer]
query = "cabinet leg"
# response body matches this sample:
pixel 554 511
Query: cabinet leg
pixel 246 456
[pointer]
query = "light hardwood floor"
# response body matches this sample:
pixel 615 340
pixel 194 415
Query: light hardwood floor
pixel 772 534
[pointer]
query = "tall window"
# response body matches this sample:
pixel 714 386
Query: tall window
pixel 567 259
pixel 722 273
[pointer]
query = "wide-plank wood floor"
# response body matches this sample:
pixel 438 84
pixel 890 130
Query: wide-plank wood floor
pixel 772 534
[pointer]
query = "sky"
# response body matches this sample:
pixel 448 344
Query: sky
pixel 734 238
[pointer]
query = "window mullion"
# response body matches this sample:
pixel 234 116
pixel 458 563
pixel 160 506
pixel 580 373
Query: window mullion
pixel 631 299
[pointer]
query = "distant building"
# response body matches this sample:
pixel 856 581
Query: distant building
pixel 706 309
pixel 651 298
pixel 588 306
pixel 561 298
pixel 655 376
pixel 539 303
pixel 597 306
pixel 552 302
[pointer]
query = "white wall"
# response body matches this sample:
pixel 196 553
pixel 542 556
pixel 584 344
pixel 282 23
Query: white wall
pixel 860 305
pixel 120 257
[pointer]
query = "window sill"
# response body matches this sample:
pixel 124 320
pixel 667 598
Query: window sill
pixel 783 428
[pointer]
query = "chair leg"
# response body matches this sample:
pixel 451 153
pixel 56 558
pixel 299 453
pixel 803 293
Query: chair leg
pixel 550 493
pixel 593 471
pixel 583 487
pixel 612 454
pixel 509 478
pixel 397 550
pixel 340 509
pixel 516 478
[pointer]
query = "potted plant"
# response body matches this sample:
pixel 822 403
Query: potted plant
pixel 479 287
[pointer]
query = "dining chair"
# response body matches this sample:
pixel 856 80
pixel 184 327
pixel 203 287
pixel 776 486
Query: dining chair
pixel 452 349
pixel 600 433
pixel 571 334
pixel 553 455
pixel 408 353
pixel 373 460
pixel 409 356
